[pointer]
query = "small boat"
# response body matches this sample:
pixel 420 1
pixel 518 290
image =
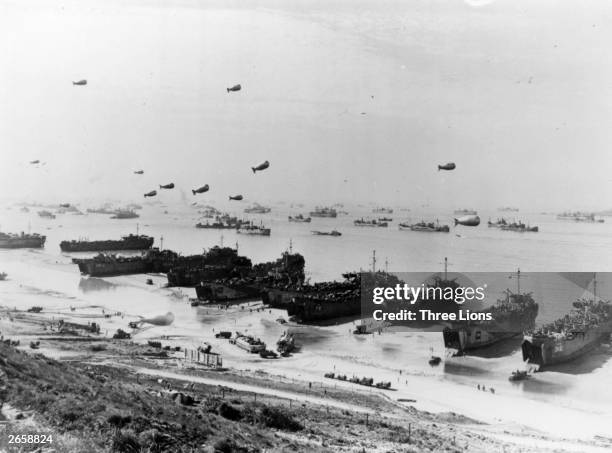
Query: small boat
pixel 300 219
pixel 518 375
pixel 327 233
pixel 435 360
pixel 369 223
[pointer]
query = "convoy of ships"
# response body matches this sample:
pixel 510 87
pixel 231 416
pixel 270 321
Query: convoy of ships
pixel 221 275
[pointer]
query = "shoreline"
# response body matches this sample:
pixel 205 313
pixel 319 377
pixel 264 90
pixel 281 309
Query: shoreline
pixel 128 358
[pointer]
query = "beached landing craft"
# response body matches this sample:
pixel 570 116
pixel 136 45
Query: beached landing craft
pixel 511 316
pixel 167 186
pixel 584 328
pixel 150 194
pixel 202 189
pixel 449 166
pixel 261 167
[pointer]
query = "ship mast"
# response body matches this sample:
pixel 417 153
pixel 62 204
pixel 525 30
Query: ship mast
pixel 594 287
pixel 445 268
pixel 137 229
pixel 373 260
pixel 161 243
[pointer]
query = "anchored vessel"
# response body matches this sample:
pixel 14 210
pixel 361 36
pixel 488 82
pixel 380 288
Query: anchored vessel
pixel 129 242
pixel 585 327
pixel 324 212
pixel 46 214
pixel 224 222
pixel 17 241
pixel 125 214
pixel 369 223
pixel 252 229
pixel 299 218
pixel 519 227
pixel 579 217
pixel 327 233
pixel 257 209
pixel 423 226
pixel 382 210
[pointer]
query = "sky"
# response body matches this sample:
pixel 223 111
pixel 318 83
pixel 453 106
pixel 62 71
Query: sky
pixel 350 101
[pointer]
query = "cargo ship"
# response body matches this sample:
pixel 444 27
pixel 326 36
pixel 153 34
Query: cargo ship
pixel 369 223
pixel 324 212
pixel 253 230
pixel 584 328
pixel 287 270
pixel 510 317
pixel 129 242
pixel 425 226
pixel 18 241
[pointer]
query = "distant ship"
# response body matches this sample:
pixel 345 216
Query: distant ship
pixel 300 219
pixel 18 241
pixel 125 214
pixel 46 214
pixel 224 222
pixel 382 211
pixel 519 227
pixel 324 212
pixel 254 230
pixel 465 212
pixel 426 227
pixel 130 242
pixel 511 316
pixel 584 328
pixel 579 217
pixel 508 209
pixel 257 209
pixel 327 233
pixel 369 223
pixel 102 210
pixel 498 223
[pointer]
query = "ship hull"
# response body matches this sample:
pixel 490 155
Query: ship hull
pixel 217 292
pixel 115 268
pixel 19 243
pixel 547 351
pixel 98 246
pixel 474 338
pixel 308 309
